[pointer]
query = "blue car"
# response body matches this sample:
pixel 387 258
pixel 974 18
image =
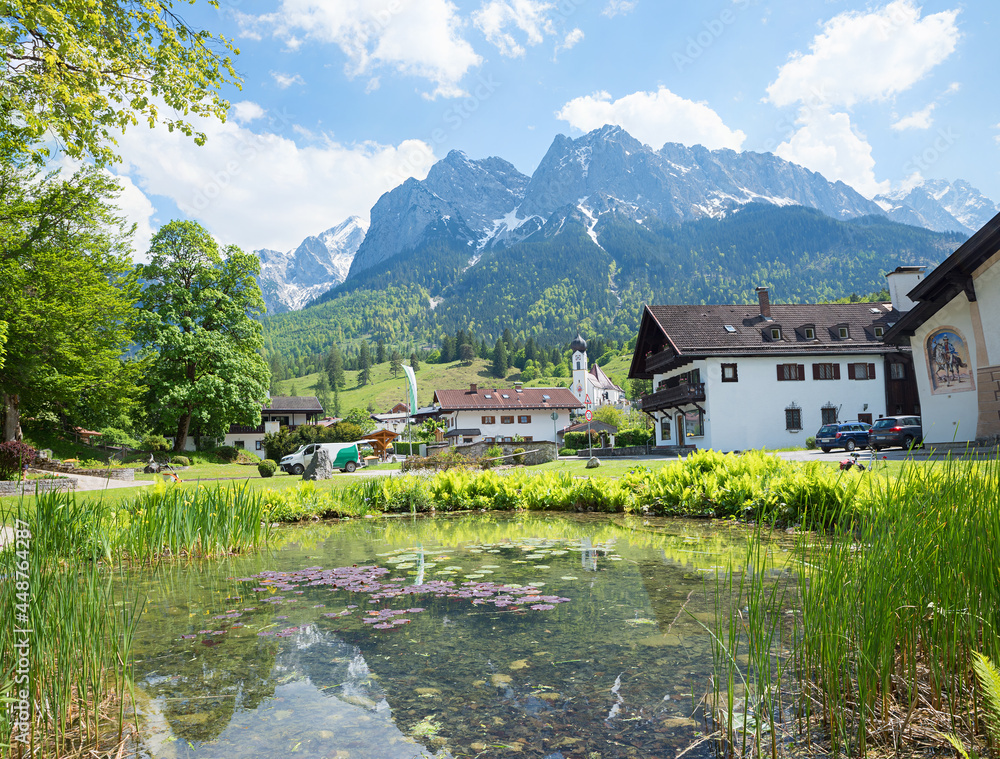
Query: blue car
pixel 846 435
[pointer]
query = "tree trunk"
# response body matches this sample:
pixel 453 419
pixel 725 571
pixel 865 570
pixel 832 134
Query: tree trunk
pixel 180 440
pixel 10 417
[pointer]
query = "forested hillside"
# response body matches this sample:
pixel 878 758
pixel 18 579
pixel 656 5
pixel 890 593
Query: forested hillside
pixel 565 278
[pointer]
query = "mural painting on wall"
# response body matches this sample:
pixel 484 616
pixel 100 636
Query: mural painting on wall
pixel 948 362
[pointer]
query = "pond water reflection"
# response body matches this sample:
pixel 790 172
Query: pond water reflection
pixel 489 635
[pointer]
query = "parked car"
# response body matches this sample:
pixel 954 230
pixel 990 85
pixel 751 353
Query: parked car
pixel 846 435
pixel 345 457
pixel 904 431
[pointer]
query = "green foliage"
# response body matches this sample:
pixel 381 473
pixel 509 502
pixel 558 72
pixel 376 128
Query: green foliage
pixel 226 453
pixel 610 415
pixel 81 73
pixel 811 442
pixel 578 440
pixel 153 442
pixel 633 436
pixel 500 364
pixel 199 337
pixel 180 460
pixel 360 418
pixel 267 468
pixel 116 437
pixel 14 457
pixel 493 452
pixel 518 456
pixel 68 291
pixel 567 451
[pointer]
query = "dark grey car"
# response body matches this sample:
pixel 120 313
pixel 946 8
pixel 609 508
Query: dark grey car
pixel 904 431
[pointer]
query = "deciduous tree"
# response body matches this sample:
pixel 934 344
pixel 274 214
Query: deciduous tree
pixel 82 71
pixel 199 335
pixel 66 295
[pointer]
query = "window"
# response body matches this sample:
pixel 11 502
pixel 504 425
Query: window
pixel 828 414
pixel 488 439
pixel 527 439
pixel 826 371
pixel 775 333
pixel 524 419
pixel 506 420
pixel 578 364
pixel 793 418
pixel 665 425
pixel 844 332
pixel 810 333
pixel 729 373
pixel 787 372
pixel 466 439
pixel 861 371
pixel 259 445
pixel 489 420
pixel 508 440
pixel 694 423
pixel 240 445
pixel 879 331
pixel 897 371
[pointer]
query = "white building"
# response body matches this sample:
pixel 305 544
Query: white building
pixel 493 415
pixel 954 331
pixel 737 377
pixel 281 411
pixel 593 383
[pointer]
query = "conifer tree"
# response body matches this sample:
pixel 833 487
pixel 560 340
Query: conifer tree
pixel 414 362
pixel 500 359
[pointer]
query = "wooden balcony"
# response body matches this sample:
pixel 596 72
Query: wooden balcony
pixel 673 397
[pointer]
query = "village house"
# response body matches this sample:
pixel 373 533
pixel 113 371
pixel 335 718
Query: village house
pixel 737 377
pixel 952 329
pixel 280 411
pixel 491 415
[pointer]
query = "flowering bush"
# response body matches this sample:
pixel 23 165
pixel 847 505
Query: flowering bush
pixel 14 457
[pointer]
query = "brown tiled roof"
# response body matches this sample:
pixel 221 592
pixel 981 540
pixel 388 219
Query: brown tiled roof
pixel 690 332
pixel 702 329
pixel 502 399
pixel 299 404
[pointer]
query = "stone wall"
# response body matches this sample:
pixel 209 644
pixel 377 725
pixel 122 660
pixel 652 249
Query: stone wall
pixel 30 487
pixel 126 475
pixel 537 452
pixel 634 450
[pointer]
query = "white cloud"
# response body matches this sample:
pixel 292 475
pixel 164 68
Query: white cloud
pixel 866 56
pixel 921 119
pixel 260 189
pixel 615 7
pixel 246 111
pixel 570 40
pixel 654 118
pixel 826 142
pixel 495 17
pixel 284 81
pixel 413 37
pixel 137 209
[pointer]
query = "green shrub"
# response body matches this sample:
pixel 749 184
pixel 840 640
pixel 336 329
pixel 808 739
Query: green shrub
pixel 226 453
pixel 116 437
pixel 518 456
pixel 180 460
pixel 633 436
pixel 493 452
pixel 247 457
pixel 14 456
pixel 267 468
pixel 154 443
pixel 567 451
pixel 811 442
pixel 578 440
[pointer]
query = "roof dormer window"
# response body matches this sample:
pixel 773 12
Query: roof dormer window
pixel 809 332
pixel 844 333
pixel 775 333
pixel 879 330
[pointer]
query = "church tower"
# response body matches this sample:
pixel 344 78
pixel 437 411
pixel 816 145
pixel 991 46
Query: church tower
pixel 579 365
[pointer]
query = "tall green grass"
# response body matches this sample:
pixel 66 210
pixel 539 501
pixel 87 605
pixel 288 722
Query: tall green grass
pixel 894 604
pixel 80 608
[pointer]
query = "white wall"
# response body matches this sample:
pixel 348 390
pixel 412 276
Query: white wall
pixel 750 413
pixel 948 417
pixel 987 286
pixel 542 427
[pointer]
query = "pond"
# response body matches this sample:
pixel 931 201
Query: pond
pixel 488 635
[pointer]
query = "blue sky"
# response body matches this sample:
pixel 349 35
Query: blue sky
pixel 344 99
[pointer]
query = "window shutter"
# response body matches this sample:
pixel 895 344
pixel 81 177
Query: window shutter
pixel 781 372
pixel 836 371
pixel 815 371
pixel 851 374
pixel 871 371
pixel 802 372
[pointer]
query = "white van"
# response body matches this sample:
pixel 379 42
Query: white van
pixel 345 457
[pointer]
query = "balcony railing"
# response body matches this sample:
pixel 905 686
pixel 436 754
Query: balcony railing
pixel 672 397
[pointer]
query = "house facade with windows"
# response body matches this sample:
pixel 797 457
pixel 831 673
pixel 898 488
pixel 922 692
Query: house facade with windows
pixel 738 377
pixel 952 329
pixel 280 411
pixel 491 415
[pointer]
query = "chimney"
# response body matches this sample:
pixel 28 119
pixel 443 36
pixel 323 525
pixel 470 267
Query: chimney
pixel 473 387
pixel 517 387
pixel 765 303
pixel 901 282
